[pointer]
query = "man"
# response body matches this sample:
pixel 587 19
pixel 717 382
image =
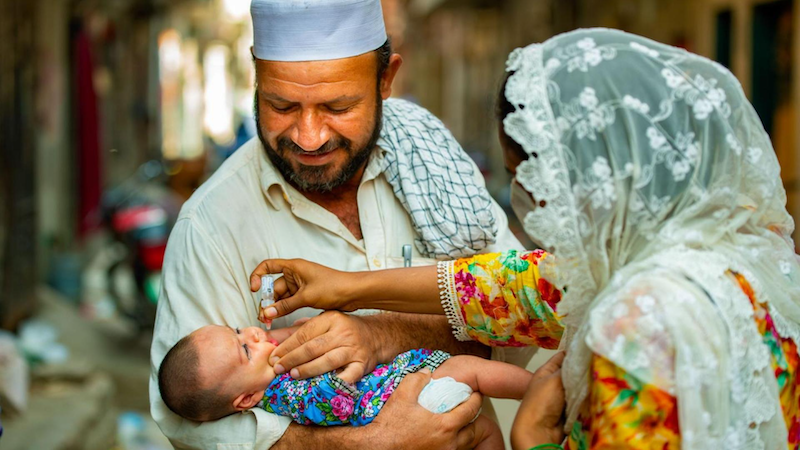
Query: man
pixel 339 177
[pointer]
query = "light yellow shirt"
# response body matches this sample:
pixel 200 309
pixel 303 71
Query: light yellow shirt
pixel 245 213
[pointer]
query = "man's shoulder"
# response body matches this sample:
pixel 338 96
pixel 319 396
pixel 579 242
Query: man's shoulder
pixel 236 180
pixel 405 109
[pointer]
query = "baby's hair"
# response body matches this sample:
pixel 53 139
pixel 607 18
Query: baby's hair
pixel 180 385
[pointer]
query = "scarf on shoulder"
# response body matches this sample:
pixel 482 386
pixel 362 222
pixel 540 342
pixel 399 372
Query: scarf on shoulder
pixel 435 181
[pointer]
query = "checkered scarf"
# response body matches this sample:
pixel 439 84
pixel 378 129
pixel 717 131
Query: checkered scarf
pixel 435 181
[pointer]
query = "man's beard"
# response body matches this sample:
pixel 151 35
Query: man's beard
pixel 315 178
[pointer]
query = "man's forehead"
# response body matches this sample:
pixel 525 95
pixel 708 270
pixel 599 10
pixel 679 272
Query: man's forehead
pixel 356 69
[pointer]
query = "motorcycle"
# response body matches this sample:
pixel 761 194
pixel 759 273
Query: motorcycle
pixel 139 213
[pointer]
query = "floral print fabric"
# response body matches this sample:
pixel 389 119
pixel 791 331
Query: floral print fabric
pixel 504 301
pixel 785 363
pixel 327 400
pixel 623 412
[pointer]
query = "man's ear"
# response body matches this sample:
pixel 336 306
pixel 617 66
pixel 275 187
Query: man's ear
pixel 247 400
pixel 395 61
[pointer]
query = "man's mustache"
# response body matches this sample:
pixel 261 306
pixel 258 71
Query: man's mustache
pixel 287 145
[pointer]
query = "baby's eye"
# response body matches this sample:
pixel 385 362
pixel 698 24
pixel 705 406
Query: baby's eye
pixel 237 331
pixel 246 351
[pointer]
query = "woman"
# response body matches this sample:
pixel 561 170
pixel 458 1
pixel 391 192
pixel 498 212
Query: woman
pixel 656 192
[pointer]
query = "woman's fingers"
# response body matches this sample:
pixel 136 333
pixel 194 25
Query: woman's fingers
pixel 551 366
pixel 266 267
pixel 285 306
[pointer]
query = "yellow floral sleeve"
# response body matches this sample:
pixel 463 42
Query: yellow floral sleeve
pixel 500 299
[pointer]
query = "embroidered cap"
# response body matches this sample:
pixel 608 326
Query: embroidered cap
pixel 314 30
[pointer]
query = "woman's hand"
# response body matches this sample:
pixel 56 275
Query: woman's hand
pixel 303 284
pixel 540 418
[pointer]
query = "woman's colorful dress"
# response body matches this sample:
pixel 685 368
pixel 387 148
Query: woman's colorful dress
pixel 503 300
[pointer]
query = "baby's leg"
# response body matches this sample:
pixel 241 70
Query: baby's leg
pixel 494 379
pixel 488 435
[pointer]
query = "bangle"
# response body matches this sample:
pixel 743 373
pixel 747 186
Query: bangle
pixel 547 447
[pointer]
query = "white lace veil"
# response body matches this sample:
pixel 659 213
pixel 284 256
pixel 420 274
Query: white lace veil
pixel 650 167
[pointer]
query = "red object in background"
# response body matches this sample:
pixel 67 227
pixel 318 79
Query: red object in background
pixel 88 136
pixel 138 217
pixel 152 256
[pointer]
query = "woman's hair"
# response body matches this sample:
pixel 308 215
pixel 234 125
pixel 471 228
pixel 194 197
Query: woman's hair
pixel 503 109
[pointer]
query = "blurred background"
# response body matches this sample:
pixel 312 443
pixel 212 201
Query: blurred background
pixel 113 112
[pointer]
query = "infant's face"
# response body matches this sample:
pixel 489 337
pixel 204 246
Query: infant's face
pixel 238 359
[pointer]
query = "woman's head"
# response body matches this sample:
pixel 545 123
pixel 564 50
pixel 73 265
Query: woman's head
pixel 634 146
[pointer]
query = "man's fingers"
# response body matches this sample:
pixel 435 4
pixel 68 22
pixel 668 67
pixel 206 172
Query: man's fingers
pixel 281 334
pixel 306 350
pixel 464 413
pixel 303 334
pixel 467 437
pixel 266 267
pixel 315 363
pixel 471 435
pixel 300 321
pixel 352 373
pixel 412 385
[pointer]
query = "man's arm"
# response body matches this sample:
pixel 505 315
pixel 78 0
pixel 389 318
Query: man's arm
pixel 356 344
pixel 402 424
pixel 403 332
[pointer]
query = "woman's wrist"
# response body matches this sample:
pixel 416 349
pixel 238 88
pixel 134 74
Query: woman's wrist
pixel 354 293
pixel 535 436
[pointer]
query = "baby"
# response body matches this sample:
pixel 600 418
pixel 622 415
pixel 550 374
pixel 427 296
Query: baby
pixel 216 371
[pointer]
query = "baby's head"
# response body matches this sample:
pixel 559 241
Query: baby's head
pixel 216 371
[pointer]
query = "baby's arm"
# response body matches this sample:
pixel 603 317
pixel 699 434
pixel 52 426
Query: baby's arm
pixel 494 379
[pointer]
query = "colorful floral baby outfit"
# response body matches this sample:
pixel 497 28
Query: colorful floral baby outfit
pixel 501 299
pixel 327 400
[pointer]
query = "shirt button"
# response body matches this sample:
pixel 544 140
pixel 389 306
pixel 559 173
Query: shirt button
pixel 376 262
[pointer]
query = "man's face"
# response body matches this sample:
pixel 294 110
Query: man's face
pixel 318 120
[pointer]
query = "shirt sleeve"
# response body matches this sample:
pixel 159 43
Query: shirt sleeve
pixel 500 299
pixel 199 288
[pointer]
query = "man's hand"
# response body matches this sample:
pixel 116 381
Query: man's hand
pixel 282 334
pixel 540 418
pixel 328 342
pixel 401 425
pixel 415 427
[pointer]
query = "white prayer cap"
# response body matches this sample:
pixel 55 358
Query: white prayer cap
pixel 314 30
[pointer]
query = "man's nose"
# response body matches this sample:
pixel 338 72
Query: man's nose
pixel 310 132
